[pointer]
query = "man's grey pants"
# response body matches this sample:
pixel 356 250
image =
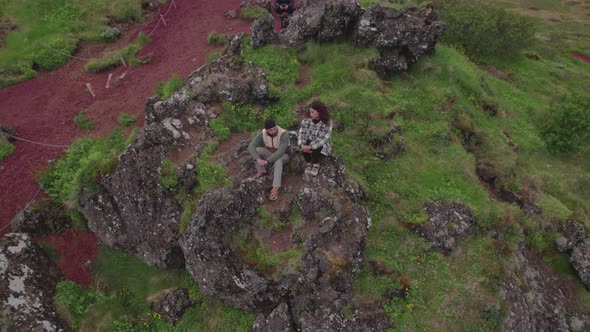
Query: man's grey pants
pixel 277 167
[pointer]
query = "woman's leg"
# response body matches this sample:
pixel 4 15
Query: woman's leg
pixel 315 155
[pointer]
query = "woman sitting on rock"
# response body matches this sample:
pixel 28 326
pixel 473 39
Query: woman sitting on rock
pixel 315 136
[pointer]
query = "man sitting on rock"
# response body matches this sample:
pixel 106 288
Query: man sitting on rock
pixel 284 6
pixel 270 146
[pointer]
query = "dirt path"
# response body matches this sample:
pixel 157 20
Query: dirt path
pixel 43 109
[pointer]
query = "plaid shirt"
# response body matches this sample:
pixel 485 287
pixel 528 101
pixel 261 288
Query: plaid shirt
pixel 319 134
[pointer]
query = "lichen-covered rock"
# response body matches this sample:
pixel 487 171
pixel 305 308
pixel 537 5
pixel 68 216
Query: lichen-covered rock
pixel 131 209
pixel 322 21
pixel 27 281
pixel 580 259
pixel 401 36
pixel 173 305
pixel 263 31
pixel 447 224
pixel 279 320
pixel 572 233
pixel 538 300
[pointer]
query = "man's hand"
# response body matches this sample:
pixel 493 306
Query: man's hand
pixel 261 162
pixel 306 148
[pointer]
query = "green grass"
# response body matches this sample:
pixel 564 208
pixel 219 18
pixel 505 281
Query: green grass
pixel 250 14
pixel 120 299
pixel 164 90
pixel 83 122
pixel 216 39
pixel 115 58
pixel 6 148
pixel 48 32
pixel 86 160
pixel 126 120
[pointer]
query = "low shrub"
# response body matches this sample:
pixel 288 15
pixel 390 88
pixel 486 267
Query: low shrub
pixel 168 176
pixel 482 30
pixel 567 127
pixel 5 149
pixel 252 13
pixel 219 128
pixel 53 54
pixel 126 120
pixel 212 56
pixel 165 90
pixel 113 59
pixel 111 34
pixel 83 121
pixel 216 39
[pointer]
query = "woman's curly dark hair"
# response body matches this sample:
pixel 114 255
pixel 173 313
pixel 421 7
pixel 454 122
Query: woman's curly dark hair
pixel 321 108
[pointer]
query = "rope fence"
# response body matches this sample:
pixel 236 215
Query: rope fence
pixel 34 142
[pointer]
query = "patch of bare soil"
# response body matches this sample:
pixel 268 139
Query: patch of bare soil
pixel 304 76
pixel 581 56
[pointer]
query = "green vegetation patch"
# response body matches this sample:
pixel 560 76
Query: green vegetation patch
pixel 165 90
pixel 116 58
pixel 83 122
pixel 217 39
pixel 86 160
pixel 126 120
pixel 6 148
pixel 48 32
pixel 249 13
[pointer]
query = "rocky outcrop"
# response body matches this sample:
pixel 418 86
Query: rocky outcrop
pixel 580 259
pixel 447 224
pixel 538 299
pixel 332 240
pixel 391 144
pixel 322 21
pixel 173 305
pixel 131 209
pixel 401 36
pixel 263 31
pixel 27 280
pixel 571 234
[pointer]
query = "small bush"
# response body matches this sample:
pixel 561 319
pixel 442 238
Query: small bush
pixel 75 300
pixel 5 149
pixel 113 59
pixel 483 30
pixel 219 128
pixel 126 120
pixel 165 90
pixel 212 57
pixel 168 176
pixel 252 13
pixel 111 34
pixel 216 39
pixel 83 121
pixel 567 127
pixel 53 54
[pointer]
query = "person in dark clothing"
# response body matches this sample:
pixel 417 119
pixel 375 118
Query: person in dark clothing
pixel 284 5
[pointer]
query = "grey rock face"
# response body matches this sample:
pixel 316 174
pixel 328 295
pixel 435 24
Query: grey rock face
pixel 401 36
pixel 580 259
pixel 132 210
pixel 173 305
pixel 538 300
pixel 27 280
pixel 332 242
pixel 573 232
pixel 322 21
pixel 263 31
pixel 447 224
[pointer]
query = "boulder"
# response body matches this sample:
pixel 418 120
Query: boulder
pixel 173 305
pixel 572 233
pixel 263 31
pixel 322 21
pixel 401 36
pixel 539 299
pixel 9 132
pixel 390 144
pixel 131 210
pixel 27 281
pixel 447 224
pixel 580 259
